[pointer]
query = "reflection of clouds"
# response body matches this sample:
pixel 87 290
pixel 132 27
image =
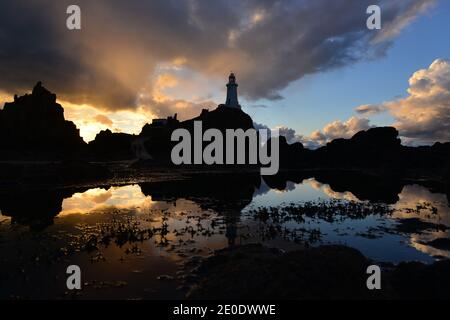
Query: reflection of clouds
pixel 314 184
pixel 264 188
pixel 326 189
pixel 125 197
pixel 131 198
pixel 417 241
pixel 4 218
pixel 339 195
pixel 95 199
pixel 413 195
pixel 100 198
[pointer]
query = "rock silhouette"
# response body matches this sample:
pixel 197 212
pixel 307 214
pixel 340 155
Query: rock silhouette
pixel 33 127
pixel 157 137
pixel 375 151
pixel 372 148
pixel 227 192
pixel 109 146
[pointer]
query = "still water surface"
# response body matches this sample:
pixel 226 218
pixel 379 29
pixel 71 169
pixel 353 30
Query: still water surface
pixel 130 244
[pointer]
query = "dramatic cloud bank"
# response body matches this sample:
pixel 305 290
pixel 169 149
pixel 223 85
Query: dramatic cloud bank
pixel 334 130
pixel 114 62
pixel 424 115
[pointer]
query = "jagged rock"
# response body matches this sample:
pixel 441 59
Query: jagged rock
pixel 291 155
pixel 221 118
pixel 33 126
pixel 372 148
pixel 158 142
pixel 112 146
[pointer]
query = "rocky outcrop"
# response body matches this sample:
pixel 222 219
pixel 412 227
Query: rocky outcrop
pixel 109 146
pixel 158 142
pixel 376 147
pixel 221 118
pixel 33 126
pixel 325 272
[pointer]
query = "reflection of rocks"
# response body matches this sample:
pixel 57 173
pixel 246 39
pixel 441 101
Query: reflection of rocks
pixel 363 186
pixel 326 272
pixel 34 208
pixel 221 191
pixel 415 225
pixel 440 243
pixel 280 180
pixel 57 174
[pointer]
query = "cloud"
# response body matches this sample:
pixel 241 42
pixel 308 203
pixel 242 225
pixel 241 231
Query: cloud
pixel 103 120
pixel 91 121
pixel 423 117
pixel 160 97
pixel 4 97
pixel 370 109
pixel 289 134
pixel 262 106
pixel 333 130
pixel 122 45
pixel 397 22
pixel 339 129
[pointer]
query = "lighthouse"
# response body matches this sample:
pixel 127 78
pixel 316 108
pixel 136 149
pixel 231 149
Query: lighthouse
pixel 232 96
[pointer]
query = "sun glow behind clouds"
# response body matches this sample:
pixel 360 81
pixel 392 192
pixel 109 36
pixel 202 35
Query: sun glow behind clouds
pixel 97 199
pixel 91 120
pixel 4 97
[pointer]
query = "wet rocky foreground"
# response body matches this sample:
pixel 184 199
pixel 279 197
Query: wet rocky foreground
pixel 239 237
pixel 324 272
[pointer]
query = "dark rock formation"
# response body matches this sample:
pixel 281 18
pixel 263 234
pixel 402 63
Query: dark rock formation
pixel 34 208
pixel 221 118
pixel 325 272
pixel 154 142
pixel 157 138
pixel 374 148
pixel 256 272
pixel 109 146
pixel 291 155
pixel 375 151
pixel 33 127
pixel 223 191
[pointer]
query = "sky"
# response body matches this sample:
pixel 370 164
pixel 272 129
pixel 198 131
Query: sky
pixel 312 69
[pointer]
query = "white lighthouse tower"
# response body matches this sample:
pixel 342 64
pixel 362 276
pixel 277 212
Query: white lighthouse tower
pixel 232 96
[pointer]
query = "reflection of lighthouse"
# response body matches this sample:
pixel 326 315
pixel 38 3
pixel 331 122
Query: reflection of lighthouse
pixel 232 97
pixel 231 229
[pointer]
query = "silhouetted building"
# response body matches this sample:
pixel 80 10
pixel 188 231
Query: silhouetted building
pixel 169 121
